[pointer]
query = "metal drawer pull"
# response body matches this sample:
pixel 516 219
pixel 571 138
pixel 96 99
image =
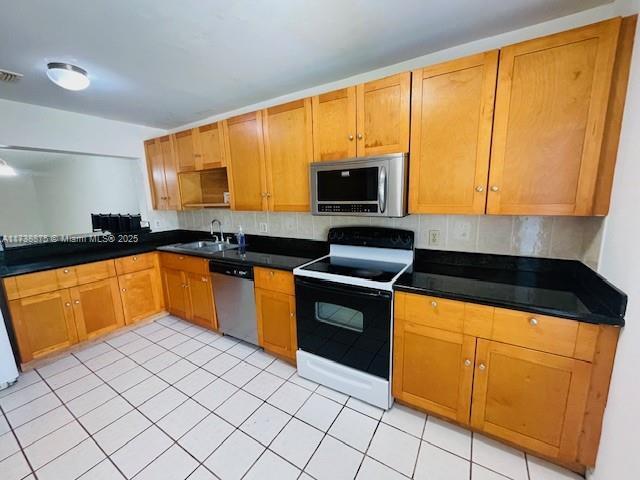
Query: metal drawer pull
pixel 467 363
pixel 77 302
pixel 124 289
pixel 66 270
pixel 533 322
pixel 482 366
pixel 434 304
pixel 67 304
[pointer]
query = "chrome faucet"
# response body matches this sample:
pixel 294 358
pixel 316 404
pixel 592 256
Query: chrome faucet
pixel 215 237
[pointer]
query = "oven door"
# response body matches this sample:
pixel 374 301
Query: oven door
pixel 347 324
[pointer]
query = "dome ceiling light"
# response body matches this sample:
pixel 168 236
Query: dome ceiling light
pixel 67 76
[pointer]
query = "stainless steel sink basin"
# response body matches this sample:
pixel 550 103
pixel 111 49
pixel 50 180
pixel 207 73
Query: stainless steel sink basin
pixel 207 246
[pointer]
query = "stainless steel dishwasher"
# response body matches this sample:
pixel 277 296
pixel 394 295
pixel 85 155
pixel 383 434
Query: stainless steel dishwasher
pixel 235 300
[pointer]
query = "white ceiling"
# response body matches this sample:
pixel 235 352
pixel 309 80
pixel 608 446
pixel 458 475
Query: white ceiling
pixel 167 63
pixel 37 160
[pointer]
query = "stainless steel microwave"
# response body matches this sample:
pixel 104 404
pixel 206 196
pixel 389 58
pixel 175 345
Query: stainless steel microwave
pixel 367 186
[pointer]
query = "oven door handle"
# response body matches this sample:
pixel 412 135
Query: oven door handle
pixel 346 290
pixel 382 189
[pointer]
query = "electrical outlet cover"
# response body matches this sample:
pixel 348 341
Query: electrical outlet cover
pixel 263 227
pixel 434 238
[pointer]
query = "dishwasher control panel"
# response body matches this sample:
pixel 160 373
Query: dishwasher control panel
pixel 231 270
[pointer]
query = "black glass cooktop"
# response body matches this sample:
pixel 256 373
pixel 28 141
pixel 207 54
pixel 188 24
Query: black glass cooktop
pixel 355 267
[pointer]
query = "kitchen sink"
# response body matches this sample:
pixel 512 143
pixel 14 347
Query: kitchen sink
pixel 207 246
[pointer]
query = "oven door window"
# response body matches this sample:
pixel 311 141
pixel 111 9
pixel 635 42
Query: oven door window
pixel 340 316
pixel 346 324
pixel 349 185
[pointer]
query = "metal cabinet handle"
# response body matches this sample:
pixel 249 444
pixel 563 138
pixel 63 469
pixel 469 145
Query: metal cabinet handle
pixel 350 137
pixel 66 270
pixel 360 136
pixel 124 289
pixel 479 189
pixel 77 302
pixel 467 363
pixel 482 366
pixel 495 188
pixel 135 259
pixel 291 314
pixel 67 304
pixel 204 279
pixel 434 304
pixel 533 322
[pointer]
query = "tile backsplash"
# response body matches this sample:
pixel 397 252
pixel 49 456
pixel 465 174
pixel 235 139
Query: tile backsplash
pixel 576 238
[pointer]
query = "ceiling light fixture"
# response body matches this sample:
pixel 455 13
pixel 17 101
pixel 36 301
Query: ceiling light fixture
pixel 68 76
pixel 6 170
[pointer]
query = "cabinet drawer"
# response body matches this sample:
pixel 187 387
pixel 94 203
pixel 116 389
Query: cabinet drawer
pixel 43 282
pixel 185 263
pixel 432 312
pixel 93 272
pixel 135 263
pixel 274 280
pixel 539 332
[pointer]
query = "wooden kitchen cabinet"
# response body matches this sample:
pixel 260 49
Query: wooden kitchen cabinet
pixel 174 285
pixel 43 324
pixel 187 288
pixel 210 150
pixel 185 151
pixel 433 369
pixel 163 173
pixel 288 140
pixel 533 399
pixel 245 162
pixel 334 125
pixel 551 106
pixel 141 294
pixel 97 308
pixel 369 119
pixel 276 314
pixel 451 121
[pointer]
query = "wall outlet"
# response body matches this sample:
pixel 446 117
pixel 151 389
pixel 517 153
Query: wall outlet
pixel 434 238
pixel 263 227
pixel 157 222
pixel 462 231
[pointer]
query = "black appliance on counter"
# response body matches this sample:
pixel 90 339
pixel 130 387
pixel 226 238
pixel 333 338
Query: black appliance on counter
pixel 116 223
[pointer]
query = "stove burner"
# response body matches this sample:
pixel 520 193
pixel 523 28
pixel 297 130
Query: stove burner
pixel 361 272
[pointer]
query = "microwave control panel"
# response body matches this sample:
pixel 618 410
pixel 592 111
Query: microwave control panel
pixel 348 208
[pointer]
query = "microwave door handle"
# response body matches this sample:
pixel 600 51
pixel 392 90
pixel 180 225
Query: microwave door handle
pixel 382 189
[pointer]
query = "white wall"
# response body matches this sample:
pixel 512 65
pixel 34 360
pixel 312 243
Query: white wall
pixel 25 125
pixel 618 458
pixel 19 212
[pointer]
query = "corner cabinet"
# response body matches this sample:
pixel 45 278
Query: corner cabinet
pixel 551 110
pixel 163 174
pixel 369 119
pixel 276 312
pixel 539 383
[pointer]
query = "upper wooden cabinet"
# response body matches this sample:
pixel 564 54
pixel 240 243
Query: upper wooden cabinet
pixel 334 125
pixel 451 119
pixel 210 150
pixel 369 119
pixel 288 153
pixel 245 149
pixel 551 106
pixel 163 173
pixel 185 150
pixel 383 115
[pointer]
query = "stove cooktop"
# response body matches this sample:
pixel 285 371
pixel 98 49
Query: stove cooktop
pixel 374 270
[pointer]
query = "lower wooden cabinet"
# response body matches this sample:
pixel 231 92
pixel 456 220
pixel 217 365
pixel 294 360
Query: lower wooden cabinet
pixel 97 308
pixel 530 398
pixel 189 295
pixel 276 314
pixel 539 383
pixel 433 369
pixel 141 295
pixel 43 323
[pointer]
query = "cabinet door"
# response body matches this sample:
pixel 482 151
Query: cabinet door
pixel 97 307
pixel 200 294
pixel 451 119
pixel 383 115
pixel 245 161
pixel 210 147
pixel 334 125
pixel 43 324
pixel 141 294
pixel 530 398
pixel 433 369
pixel 155 167
pixel 551 104
pixel 184 149
pixel 174 283
pixel 172 192
pixel 288 153
pixel 277 323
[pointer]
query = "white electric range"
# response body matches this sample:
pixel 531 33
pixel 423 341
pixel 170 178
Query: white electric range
pixel 344 305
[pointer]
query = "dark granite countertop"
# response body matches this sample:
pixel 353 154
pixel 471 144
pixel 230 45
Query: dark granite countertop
pixel 562 288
